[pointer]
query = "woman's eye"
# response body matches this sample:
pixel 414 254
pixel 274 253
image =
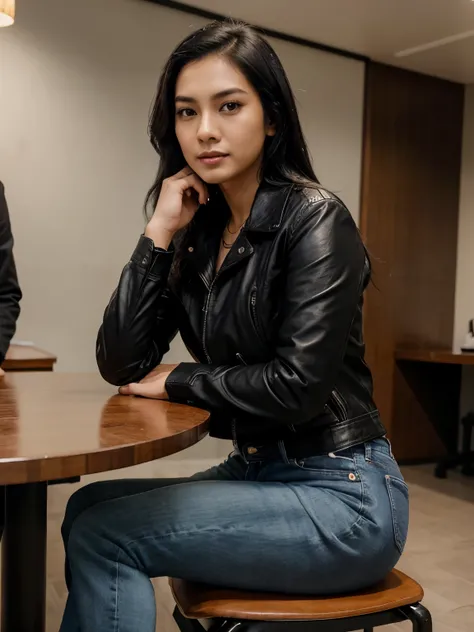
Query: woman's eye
pixel 185 112
pixel 230 107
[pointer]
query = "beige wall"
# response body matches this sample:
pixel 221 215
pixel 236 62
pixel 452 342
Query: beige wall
pixel 76 83
pixel 465 264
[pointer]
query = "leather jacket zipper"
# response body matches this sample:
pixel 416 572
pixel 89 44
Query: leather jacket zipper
pixel 205 309
pixel 253 305
pixel 234 420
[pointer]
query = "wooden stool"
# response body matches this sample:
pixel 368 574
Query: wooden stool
pixel 395 599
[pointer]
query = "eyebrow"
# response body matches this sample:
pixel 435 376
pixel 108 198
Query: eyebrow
pixel 218 95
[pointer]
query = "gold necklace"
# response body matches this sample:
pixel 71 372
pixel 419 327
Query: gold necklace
pixel 225 243
pixel 238 229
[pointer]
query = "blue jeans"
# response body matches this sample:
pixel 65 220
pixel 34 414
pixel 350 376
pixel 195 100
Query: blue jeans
pixel 325 524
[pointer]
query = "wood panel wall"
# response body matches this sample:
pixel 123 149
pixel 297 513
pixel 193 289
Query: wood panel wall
pixel 409 221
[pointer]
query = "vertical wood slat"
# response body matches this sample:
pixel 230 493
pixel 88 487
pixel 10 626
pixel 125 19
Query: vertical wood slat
pixel 409 221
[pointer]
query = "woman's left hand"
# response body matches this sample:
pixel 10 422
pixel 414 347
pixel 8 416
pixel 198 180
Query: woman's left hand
pixel 152 385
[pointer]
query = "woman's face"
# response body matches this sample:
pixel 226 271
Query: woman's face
pixel 220 123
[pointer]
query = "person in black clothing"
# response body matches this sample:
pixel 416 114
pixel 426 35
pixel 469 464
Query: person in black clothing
pixel 262 271
pixel 10 296
pixel 10 293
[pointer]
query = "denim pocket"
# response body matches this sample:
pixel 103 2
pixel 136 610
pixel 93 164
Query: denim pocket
pixel 398 495
pixel 342 467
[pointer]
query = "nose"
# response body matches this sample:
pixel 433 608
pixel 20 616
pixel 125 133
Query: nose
pixel 208 129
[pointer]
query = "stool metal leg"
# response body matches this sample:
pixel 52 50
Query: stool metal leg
pixel 226 625
pixel 419 616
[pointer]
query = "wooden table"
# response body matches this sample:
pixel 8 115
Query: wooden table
pixel 434 377
pixel 28 358
pixel 437 356
pixel 57 425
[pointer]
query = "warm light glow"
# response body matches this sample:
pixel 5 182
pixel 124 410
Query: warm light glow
pixel 7 12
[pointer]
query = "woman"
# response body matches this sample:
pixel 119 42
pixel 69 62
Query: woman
pixel 262 271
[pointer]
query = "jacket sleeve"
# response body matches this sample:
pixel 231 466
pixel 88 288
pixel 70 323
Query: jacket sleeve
pixel 140 320
pixel 10 293
pixel 324 282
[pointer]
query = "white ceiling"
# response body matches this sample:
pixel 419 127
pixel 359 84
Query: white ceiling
pixel 435 37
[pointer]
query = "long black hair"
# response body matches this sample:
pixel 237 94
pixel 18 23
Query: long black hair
pixel 286 157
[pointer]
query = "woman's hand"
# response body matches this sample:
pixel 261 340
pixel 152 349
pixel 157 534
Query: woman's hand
pixel 152 385
pixel 179 200
pixel 2 372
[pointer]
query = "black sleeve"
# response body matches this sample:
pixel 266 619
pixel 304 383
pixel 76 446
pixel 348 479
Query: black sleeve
pixel 324 283
pixel 10 293
pixel 141 318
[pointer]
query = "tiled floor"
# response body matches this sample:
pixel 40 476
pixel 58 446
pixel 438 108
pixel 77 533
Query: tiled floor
pixel 439 553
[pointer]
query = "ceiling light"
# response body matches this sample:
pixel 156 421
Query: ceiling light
pixel 7 12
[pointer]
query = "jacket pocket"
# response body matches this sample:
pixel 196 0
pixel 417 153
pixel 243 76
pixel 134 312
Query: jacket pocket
pixel 398 496
pixel 337 406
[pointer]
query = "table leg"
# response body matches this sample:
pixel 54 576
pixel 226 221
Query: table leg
pixel 24 558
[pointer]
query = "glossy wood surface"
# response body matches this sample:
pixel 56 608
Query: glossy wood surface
pixel 23 358
pixel 57 425
pixel 198 601
pixel 439 356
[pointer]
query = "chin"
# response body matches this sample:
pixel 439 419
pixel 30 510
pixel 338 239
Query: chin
pixel 215 176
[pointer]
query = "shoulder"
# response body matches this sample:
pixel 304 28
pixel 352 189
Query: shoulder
pixel 3 202
pixel 4 215
pixel 320 222
pixel 319 206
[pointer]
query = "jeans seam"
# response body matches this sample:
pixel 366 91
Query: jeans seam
pixel 349 531
pixel 396 530
pixel 368 451
pixel 177 533
pixel 344 458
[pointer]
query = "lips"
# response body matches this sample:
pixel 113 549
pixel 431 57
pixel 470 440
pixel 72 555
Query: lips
pixel 212 157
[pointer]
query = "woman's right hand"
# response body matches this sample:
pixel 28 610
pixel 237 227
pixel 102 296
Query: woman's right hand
pixel 179 200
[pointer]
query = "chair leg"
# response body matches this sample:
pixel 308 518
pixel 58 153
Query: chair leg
pixel 419 616
pixel 226 625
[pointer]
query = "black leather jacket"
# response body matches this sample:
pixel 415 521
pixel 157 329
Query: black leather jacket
pixel 10 293
pixel 276 335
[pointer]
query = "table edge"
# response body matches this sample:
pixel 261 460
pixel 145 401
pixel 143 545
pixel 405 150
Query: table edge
pixel 105 460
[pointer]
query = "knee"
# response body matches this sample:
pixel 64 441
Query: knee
pixel 81 500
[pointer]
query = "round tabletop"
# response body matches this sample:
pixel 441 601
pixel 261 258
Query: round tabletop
pixel 60 425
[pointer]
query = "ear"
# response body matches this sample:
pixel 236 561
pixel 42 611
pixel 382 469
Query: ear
pixel 270 129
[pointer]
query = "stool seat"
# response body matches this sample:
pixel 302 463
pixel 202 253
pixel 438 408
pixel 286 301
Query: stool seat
pixel 198 601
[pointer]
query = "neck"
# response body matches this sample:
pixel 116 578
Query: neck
pixel 239 195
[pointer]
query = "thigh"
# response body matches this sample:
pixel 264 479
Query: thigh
pixel 102 491
pixel 242 534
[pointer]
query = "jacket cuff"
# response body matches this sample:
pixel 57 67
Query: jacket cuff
pixel 178 384
pixel 151 260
